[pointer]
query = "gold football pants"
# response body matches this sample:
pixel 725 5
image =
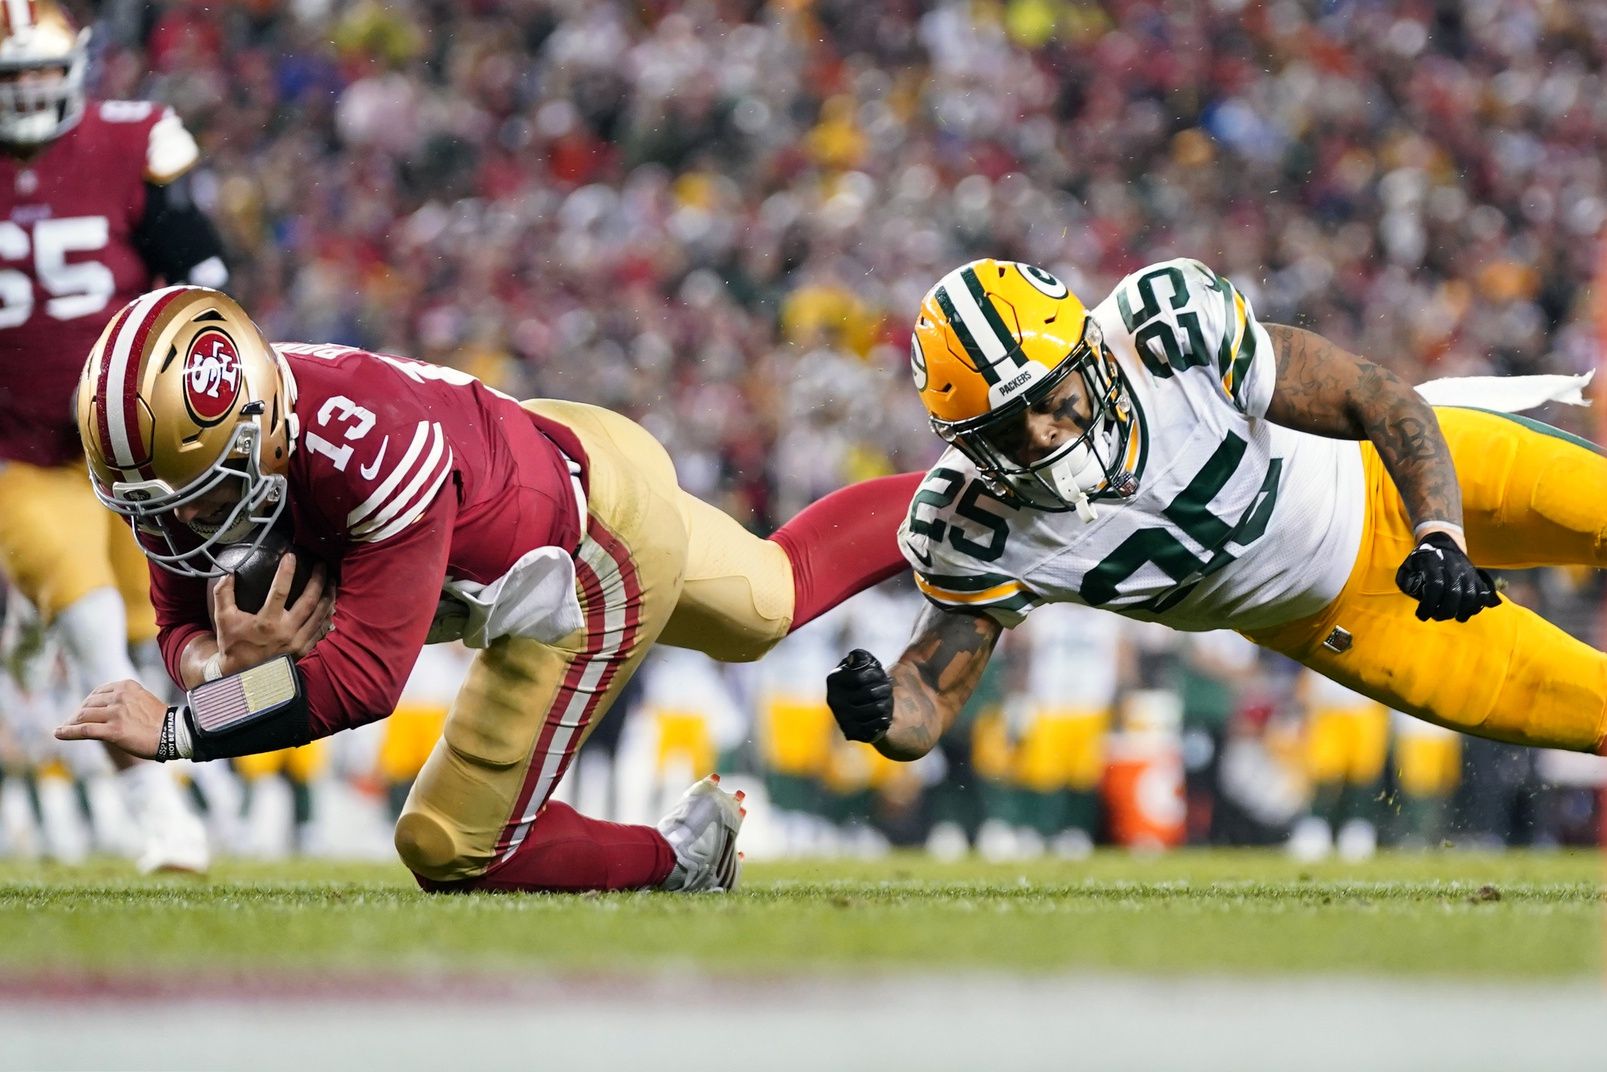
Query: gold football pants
pixel 795 735
pixel 1347 744
pixel 1063 748
pixel 58 544
pixel 1531 496
pixel 655 564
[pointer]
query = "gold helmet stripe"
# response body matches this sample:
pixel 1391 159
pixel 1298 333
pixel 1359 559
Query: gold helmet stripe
pixel 120 383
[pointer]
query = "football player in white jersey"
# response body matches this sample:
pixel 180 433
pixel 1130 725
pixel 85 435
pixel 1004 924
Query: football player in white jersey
pixel 1166 456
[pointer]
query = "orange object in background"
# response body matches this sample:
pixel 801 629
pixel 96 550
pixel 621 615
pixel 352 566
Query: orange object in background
pixel 1144 777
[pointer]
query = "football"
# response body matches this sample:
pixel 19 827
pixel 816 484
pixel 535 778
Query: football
pixel 253 569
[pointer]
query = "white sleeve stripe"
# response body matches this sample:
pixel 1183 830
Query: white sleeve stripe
pixel 390 483
pixel 410 516
pixel 420 475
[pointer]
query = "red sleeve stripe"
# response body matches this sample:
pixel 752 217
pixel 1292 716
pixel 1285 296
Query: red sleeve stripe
pixel 387 487
pixel 120 383
pixel 403 506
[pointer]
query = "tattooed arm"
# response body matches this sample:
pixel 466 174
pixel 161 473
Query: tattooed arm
pixel 1324 390
pixel 934 678
pixel 903 713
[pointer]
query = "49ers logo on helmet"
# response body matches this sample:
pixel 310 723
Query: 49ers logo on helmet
pixel 211 377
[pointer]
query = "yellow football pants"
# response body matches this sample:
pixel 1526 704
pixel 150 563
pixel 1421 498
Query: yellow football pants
pixel 795 736
pixel 1531 496
pixel 1428 761
pixel 683 739
pixel 58 544
pixel 1064 748
pixel 410 734
pixel 1347 744
pixel 655 564
pixel 302 764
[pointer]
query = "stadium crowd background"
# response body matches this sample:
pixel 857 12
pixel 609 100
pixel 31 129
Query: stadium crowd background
pixel 718 217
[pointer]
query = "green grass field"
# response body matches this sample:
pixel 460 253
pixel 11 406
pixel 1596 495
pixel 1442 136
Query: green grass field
pixel 1509 917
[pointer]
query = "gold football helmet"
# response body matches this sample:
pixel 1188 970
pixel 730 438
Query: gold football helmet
pixel 183 397
pixel 992 339
pixel 43 56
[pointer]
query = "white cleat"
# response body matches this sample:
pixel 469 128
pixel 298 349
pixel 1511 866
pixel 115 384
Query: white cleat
pixel 702 829
pixel 173 838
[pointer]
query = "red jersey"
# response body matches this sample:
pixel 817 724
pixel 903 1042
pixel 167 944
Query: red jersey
pixel 401 475
pixel 69 260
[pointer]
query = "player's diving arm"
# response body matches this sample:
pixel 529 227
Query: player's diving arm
pixel 1327 391
pixel 903 711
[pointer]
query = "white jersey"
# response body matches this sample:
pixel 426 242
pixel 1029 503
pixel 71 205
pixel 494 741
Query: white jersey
pixel 1237 522
pixel 1073 657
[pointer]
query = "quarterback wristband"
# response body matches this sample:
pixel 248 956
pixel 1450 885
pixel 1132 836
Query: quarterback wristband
pixel 167 742
pixel 262 709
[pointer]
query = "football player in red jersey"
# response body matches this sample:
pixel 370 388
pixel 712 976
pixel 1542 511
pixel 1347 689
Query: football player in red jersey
pixel 94 210
pixel 550 535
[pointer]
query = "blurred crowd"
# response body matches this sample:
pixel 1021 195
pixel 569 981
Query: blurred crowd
pixel 719 217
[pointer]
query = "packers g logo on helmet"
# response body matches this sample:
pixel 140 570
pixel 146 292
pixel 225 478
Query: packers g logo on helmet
pixel 993 337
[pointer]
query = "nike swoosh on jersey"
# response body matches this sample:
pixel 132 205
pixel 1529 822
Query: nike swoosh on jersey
pixel 402 497
pixel 368 471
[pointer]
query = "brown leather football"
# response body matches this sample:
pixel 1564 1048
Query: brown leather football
pixel 253 570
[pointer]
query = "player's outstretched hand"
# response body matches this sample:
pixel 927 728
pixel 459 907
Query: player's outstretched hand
pixel 1445 584
pixel 860 695
pixel 246 640
pixel 122 713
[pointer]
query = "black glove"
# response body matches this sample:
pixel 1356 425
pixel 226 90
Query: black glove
pixel 860 695
pixel 1442 580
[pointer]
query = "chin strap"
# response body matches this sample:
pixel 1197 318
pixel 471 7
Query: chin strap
pixel 1084 507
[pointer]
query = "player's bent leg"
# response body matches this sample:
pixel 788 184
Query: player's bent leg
pixel 1532 495
pixel 743 593
pixel 133 577
pixel 478 816
pixel 738 597
pixel 38 505
pixel 480 803
pixel 1506 674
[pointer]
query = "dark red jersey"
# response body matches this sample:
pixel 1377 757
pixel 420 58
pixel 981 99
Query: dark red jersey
pixel 70 256
pixel 402 474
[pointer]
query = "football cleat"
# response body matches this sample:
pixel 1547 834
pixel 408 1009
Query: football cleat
pixel 173 837
pixel 702 829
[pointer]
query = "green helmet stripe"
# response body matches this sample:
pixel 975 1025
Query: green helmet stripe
pixel 963 333
pixel 1007 340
